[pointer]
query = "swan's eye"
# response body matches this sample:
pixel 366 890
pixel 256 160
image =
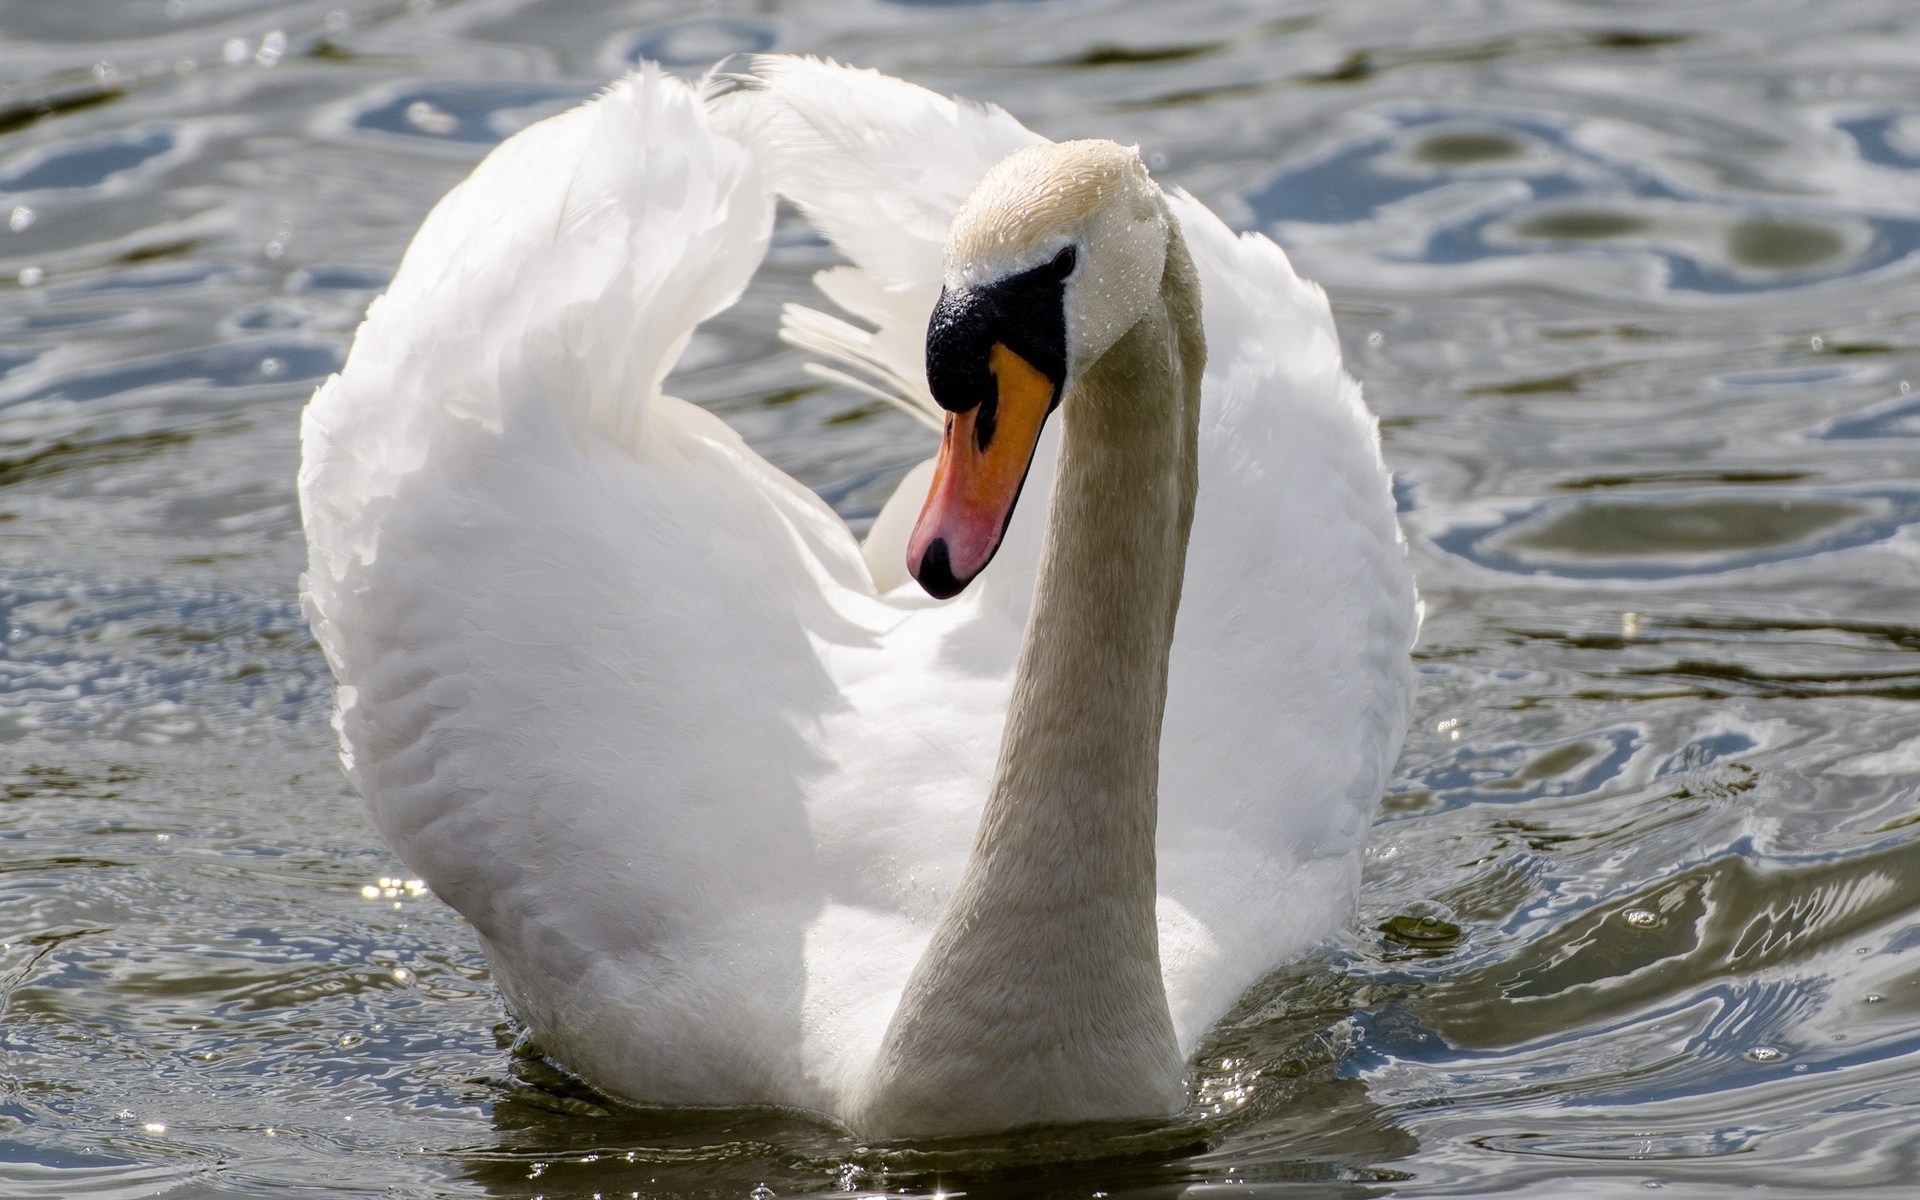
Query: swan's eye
pixel 1064 262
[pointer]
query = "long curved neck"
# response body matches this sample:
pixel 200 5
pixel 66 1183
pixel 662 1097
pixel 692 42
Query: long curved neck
pixel 1039 998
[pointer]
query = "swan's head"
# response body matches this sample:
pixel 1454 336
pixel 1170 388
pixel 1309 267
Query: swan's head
pixel 1057 252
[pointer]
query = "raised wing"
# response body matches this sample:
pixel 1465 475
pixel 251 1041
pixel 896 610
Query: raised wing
pixel 571 618
pixel 877 164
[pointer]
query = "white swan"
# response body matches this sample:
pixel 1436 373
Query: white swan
pixel 703 776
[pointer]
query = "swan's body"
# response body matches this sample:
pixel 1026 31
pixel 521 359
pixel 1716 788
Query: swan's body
pixel 704 776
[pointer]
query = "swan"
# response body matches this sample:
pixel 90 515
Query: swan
pixel 979 824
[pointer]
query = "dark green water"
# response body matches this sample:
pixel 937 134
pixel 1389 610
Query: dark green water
pixel 1633 288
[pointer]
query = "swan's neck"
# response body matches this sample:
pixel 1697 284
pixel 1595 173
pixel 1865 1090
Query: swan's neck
pixel 1040 998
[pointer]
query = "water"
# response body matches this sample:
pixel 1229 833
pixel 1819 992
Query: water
pixel 1633 288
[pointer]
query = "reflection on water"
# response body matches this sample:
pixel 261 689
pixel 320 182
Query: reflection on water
pixel 1651 536
pixel 1782 245
pixel 1461 149
pixel 1581 225
pixel 1633 291
pixel 1621 530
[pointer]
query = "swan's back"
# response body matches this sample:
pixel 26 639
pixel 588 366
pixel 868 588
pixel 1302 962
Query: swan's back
pixel 625 695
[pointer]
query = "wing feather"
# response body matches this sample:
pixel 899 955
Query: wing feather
pixel 572 619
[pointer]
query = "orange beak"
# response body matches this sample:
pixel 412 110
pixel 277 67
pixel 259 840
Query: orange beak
pixel 984 456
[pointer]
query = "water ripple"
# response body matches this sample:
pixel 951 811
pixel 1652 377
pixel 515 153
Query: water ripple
pixel 466 114
pixel 149 664
pixel 236 365
pixel 1451 186
pixel 1654 536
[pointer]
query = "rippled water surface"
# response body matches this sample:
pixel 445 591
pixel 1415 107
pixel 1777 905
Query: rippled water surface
pixel 1635 290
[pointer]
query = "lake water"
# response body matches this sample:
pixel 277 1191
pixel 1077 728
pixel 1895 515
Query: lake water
pixel 1633 287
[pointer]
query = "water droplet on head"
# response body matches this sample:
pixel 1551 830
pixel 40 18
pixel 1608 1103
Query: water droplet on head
pixel 1629 624
pixel 1817 342
pixel 235 51
pixel 20 218
pixel 272 47
pixel 1873 998
pixel 1763 1054
pixel 1641 918
pixel 31 276
pixel 1376 338
pixel 270 367
pixel 1905 387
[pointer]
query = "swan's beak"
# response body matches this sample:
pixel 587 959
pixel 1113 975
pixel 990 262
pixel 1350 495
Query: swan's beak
pixel 996 361
pixel 984 456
